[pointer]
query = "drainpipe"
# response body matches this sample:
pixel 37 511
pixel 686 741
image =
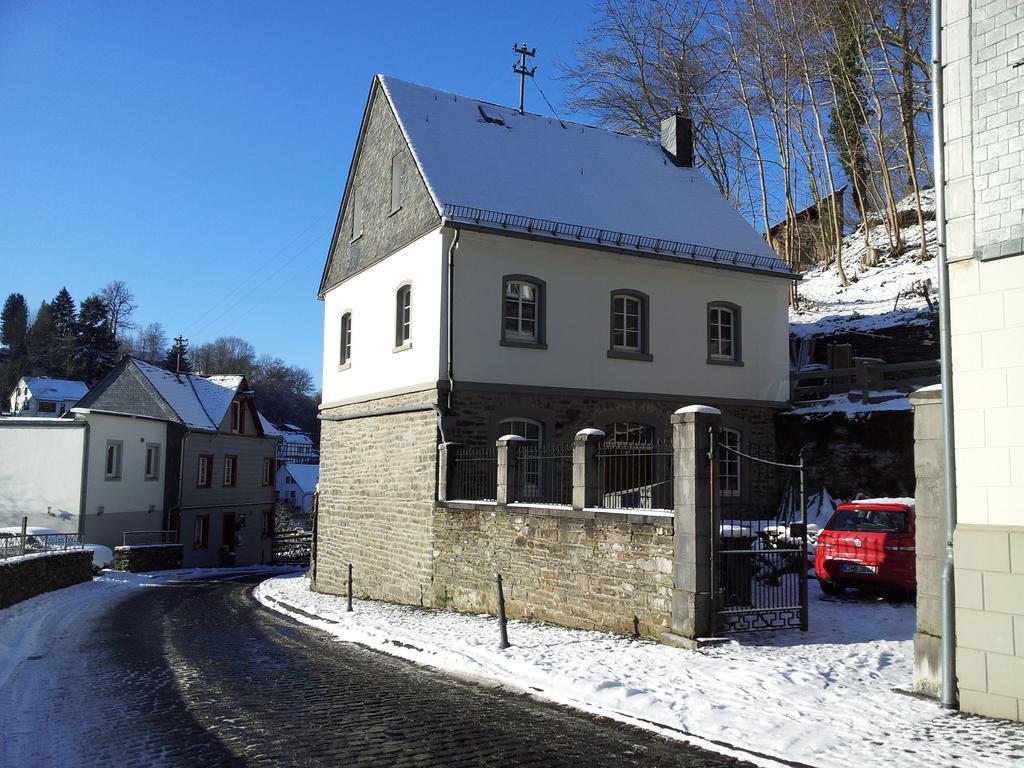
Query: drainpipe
pixel 451 310
pixel 949 688
pixel 84 493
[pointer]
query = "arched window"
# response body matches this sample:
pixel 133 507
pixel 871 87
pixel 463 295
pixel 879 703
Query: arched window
pixel 522 320
pixel 345 352
pixel 530 429
pixel 630 332
pixel 403 316
pixel 629 432
pixel 723 332
pixel 729 462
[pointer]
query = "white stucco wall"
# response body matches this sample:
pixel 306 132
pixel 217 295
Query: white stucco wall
pixel 578 288
pixel 987 324
pixel 126 502
pixel 370 297
pixel 40 469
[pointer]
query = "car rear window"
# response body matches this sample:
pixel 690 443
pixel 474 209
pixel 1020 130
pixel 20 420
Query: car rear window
pixel 869 521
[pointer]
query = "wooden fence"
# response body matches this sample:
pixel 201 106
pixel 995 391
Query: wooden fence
pixel 865 378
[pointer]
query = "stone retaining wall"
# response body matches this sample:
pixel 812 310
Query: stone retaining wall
pixel 141 558
pixel 586 569
pixel 25 577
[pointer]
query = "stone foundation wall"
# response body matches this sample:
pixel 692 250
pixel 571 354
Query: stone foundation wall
pixel 377 491
pixel 873 455
pixel 148 557
pixel 590 570
pixel 27 577
pixel 478 412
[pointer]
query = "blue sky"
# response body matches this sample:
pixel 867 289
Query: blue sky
pixel 198 150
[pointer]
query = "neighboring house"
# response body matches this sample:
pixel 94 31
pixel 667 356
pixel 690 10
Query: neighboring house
pixel 40 396
pixel 219 465
pixel 811 233
pixel 94 474
pixel 984 132
pixel 493 272
pixel 296 484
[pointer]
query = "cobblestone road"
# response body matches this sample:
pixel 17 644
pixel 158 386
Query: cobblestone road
pixel 197 674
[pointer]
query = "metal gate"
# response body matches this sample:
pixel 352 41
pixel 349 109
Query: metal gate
pixel 759 571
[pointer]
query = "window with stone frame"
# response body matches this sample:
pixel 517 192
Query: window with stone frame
pixel 629 432
pixel 204 471
pixel 201 532
pixel 345 347
pixel 532 431
pixel 523 311
pixel 112 466
pixel 629 325
pixel 723 332
pixel 403 317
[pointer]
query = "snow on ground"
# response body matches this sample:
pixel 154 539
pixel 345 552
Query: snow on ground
pixel 877 297
pixel 825 698
pixel 851 405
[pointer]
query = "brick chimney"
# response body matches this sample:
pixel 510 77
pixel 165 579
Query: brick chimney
pixel 677 139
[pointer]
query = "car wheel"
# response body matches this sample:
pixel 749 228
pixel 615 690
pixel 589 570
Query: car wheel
pixel 830 588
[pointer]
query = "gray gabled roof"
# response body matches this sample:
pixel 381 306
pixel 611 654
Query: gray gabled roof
pixel 494 167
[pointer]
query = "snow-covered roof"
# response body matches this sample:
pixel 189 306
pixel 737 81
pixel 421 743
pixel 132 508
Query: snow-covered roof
pixel 489 158
pixel 268 428
pixel 200 403
pixel 305 476
pixel 58 390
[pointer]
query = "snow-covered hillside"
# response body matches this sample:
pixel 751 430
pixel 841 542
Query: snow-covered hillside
pixel 893 293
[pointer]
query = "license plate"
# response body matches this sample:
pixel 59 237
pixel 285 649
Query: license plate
pixel 857 568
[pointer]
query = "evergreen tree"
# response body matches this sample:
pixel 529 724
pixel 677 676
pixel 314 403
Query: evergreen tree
pixel 13 332
pixel 42 341
pixel 177 359
pixel 96 347
pixel 64 331
pixel 14 321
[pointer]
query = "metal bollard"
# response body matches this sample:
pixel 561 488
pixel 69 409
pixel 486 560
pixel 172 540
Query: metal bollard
pixel 502 621
pixel 349 608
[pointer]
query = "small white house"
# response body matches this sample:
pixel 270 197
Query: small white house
pixel 40 396
pixel 296 484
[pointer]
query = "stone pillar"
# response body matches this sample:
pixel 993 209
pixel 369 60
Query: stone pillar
pixel 930 539
pixel 444 451
pixel 586 489
pixel 507 457
pixel 693 608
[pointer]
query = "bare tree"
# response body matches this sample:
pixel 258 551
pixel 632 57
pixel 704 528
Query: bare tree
pixel 151 343
pixel 225 354
pixel 121 304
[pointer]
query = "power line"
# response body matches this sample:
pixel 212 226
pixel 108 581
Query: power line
pixel 255 272
pixel 549 105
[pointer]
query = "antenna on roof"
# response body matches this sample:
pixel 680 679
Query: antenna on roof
pixel 521 70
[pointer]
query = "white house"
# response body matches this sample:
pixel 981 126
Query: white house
pixel 97 475
pixel 40 396
pixel 296 484
pixel 493 272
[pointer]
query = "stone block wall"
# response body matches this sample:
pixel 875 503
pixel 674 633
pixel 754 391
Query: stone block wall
pixel 141 558
pixel 478 412
pixel 377 488
pixel 989 572
pixel 590 570
pixel 26 577
pixel 930 538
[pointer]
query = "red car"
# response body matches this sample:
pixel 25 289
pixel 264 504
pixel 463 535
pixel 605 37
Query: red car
pixel 868 544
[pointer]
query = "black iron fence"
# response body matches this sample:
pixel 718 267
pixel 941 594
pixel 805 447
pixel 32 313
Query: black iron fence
pixel 635 475
pixel 292 548
pixel 761 572
pixel 472 473
pixel 543 474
